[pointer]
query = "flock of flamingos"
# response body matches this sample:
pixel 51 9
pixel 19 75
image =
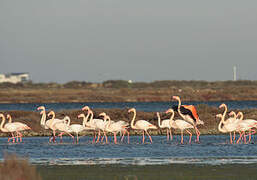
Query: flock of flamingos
pixel 190 120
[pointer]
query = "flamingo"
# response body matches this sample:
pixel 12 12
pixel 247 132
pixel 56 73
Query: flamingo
pixel 166 123
pixel 18 126
pixel 233 119
pixel 245 125
pixel 13 127
pixel 5 128
pixel 189 114
pixel 63 126
pixel 98 124
pixel 114 127
pixel 141 125
pixel 123 125
pixel 46 124
pixel 228 125
pixel 43 117
pixel 180 124
pixel 51 123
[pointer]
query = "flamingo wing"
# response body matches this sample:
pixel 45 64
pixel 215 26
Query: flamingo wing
pixel 187 110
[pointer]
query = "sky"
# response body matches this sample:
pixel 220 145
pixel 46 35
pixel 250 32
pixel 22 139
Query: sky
pixel 138 40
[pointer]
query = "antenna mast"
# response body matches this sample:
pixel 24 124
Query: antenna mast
pixel 234 70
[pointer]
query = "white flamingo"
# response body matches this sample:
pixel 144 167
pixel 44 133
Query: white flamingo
pixel 245 125
pixel 13 127
pixel 181 125
pixel 98 124
pixel 114 127
pixel 165 124
pixel 63 127
pixel 19 127
pixel 43 117
pixel 228 125
pixel 5 129
pixel 141 125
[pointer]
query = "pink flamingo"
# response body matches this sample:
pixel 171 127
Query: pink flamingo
pixel 141 125
pixel 180 124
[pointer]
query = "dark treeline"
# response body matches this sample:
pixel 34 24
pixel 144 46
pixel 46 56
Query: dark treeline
pixel 138 85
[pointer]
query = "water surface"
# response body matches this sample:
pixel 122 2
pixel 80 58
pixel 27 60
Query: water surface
pixel 213 150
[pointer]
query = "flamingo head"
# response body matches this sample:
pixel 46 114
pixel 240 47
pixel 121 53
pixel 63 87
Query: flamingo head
pixel 102 114
pixel 176 97
pixel 51 113
pixel 232 113
pixel 222 105
pixel 85 108
pixel 81 115
pixel 2 115
pixel 132 110
pixel 41 108
pixel 239 114
pixel 219 116
pixel 169 111
pixel 8 116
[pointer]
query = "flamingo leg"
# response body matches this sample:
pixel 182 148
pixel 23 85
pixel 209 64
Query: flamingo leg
pixel 54 136
pixel 128 136
pixel 122 137
pixel 71 136
pixel 98 137
pixel 171 137
pixel 143 140
pixel 167 134
pixel 234 137
pixel 115 138
pixel 20 135
pixel 244 138
pixel 190 136
pixel 230 138
pixel 105 137
pixel 149 137
pixel 77 138
pixel 60 135
pixel 239 138
pixel 93 141
pixel 181 136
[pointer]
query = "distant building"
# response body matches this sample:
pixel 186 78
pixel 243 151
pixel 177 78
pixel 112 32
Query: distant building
pixel 14 77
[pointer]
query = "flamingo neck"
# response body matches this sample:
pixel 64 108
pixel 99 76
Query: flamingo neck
pixel 224 114
pixel 9 119
pixel 241 116
pixel 133 120
pixel 2 124
pixel 43 118
pixel 171 118
pixel 67 118
pixel 52 120
pixel 159 120
pixel 179 105
pixel 221 122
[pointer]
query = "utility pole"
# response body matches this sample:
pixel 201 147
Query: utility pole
pixel 234 70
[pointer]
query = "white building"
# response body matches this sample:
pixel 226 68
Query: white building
pixel 14 77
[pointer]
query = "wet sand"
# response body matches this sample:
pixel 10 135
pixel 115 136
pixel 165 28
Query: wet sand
pixel 153 172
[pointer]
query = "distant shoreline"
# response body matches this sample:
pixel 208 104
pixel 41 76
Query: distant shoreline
pixel 122 91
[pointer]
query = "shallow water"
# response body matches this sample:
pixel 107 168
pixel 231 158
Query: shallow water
pixel 141 106
pixel 212 150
